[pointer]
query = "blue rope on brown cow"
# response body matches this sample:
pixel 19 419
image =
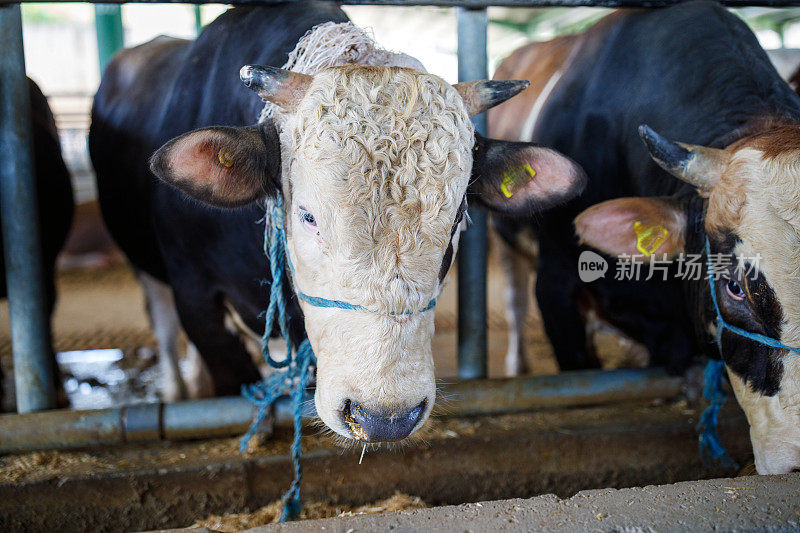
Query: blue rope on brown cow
pixel 296 367
pixel 710 445
pixel 723 325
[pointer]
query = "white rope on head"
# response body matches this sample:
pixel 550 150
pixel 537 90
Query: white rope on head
pixel 332 44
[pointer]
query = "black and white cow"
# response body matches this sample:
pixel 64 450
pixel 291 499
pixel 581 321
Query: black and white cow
pixel 373 162
pixel 694 73
pixel 55 204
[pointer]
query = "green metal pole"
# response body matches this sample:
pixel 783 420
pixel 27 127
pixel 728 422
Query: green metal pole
pixel 198 19
pixel 472 344
pixel 110 33
pixel 30 341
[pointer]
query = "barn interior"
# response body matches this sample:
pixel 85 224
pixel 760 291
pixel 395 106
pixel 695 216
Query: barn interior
pixel 496 438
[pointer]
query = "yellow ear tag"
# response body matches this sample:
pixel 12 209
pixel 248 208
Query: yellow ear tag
pixel 649 238
pixel 516 178
pixel 225 158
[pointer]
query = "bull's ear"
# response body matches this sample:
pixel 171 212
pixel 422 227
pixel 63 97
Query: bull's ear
pixel 519 179
pixel 222 166
pixel 634 226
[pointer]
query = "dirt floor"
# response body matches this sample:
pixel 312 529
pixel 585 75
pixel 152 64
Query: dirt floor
pixel 271 514
pixel 103 308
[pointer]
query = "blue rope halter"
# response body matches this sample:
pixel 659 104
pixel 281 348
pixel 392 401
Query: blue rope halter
pixel 318 301
pixel 723 325
pixel 297 367
pixel 710 445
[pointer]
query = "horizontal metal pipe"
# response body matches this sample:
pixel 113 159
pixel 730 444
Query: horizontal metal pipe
pixel 570 389
pixel 446 3
pixel 220 417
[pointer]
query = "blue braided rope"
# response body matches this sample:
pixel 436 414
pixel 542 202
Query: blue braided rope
pixel 318 301
pixel 296 367
pixel 710 444
pixel 275 250
pixel 708 440
pixel 291 499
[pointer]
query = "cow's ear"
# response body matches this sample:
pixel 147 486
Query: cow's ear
pixel 518 179
pixel 222 166
pixel 634 226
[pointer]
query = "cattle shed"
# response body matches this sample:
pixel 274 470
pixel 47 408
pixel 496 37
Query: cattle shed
pixel 562 439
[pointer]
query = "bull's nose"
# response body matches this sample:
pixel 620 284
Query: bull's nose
pixel 380 426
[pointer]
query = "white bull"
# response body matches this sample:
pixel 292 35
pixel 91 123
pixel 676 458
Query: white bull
pixel 376 164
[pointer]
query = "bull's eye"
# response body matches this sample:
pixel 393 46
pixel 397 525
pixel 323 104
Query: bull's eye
pixel 735 290
pixel 308 219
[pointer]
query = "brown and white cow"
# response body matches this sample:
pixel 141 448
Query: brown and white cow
pixel 694 73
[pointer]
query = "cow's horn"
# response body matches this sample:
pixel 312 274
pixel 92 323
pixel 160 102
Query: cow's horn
pixel 697 165
pixel 282 87
pixel 483 94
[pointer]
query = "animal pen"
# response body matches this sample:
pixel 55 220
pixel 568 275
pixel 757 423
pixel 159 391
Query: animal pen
pixel 535 435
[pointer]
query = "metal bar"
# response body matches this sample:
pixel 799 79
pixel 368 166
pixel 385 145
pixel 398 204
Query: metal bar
pixel 198 19
pixel 110 32
pixel 472 65
pixel 30 338
pixel 473 4
pixel 230 416
pixel 570 389
pixel 215 417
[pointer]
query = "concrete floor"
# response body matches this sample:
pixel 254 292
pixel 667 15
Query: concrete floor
pixel 754 503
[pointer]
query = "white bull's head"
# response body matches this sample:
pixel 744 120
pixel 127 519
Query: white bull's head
pixel 752 213
pixel 374 165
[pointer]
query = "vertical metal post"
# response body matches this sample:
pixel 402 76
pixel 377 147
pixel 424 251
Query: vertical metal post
pixel 198 19
pixel 472 65
pixel 33 370
pixel 110 32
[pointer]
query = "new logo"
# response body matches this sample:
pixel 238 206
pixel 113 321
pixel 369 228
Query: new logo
pixel 591 266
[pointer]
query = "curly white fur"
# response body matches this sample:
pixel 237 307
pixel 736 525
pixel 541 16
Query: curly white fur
pixel 333 44
pixel 379 152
